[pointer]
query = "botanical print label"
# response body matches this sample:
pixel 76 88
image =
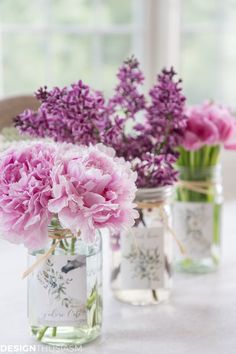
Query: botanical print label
pixel 193 224
pixel 142 263
pixel 58 292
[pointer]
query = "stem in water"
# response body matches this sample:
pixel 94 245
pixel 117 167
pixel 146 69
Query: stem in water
pixel 154 295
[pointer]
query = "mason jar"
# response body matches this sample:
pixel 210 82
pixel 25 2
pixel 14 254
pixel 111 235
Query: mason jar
pixel 65 290
pixel 142 257
pixel 197 216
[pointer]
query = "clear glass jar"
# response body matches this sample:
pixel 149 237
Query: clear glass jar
pixel 197 219
pixel 142 257
pixel 65 291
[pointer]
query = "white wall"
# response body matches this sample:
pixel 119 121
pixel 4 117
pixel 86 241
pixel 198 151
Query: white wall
pixel 229 174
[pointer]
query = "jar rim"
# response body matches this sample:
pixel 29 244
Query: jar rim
pixel 212 168
pixel 200 172
pixel 156 193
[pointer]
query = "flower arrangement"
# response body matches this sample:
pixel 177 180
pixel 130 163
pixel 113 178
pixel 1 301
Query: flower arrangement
pixel 86 188
pixel 209 128
pixel 144 130
pixel 59 195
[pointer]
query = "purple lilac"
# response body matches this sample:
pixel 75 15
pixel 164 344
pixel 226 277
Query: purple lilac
pixel 127 99
pixel 165 115
pixel 155 171
pixel 73 114
pixel 80 115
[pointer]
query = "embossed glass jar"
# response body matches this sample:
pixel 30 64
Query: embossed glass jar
pixel 65 291
pixel 197 214
pixel 142 257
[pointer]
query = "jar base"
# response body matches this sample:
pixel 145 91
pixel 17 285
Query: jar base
pixel 202 266
pixel 65 336
pixel 142 297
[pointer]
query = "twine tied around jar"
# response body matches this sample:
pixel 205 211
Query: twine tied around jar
pixel 203 187
pixel 164 220
pixel 57 235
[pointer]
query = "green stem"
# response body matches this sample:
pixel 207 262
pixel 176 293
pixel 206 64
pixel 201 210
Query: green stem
pixel 61 243
pixel 72 246
pixel 41 333
pixel 154 295
pixel 54 331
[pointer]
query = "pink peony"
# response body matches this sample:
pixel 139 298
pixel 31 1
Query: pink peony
pixel 93 189
pixel 208 124
pixel 25 189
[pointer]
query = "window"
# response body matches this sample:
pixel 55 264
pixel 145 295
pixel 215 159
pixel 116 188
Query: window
pixel 208 50
pixel 56 42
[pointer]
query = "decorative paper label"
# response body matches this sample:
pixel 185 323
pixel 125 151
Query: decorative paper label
pixel 58 292
pixel 142 263
pixel 193 224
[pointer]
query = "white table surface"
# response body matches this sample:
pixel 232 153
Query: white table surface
pixel 200 317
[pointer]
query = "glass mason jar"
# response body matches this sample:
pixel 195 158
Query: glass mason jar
pixel 142 257
pixel 65 291
pixel 197 213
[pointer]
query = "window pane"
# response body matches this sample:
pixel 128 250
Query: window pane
pixel 72 11
pixel 116 11
pixel 200 66
pixel 56 42
pixel 71 59
pixel 200 11
pixel 21 11
pixel 23 67
pixel 115 49
pixel 208 52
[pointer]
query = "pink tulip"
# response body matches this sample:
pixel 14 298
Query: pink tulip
pixel 208 124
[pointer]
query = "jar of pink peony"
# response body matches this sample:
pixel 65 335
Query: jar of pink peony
pixel 65 290
pixel 77 191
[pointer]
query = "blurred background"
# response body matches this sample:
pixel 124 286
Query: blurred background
pixel 56 42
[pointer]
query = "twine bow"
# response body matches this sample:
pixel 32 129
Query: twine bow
pixel 203 187
pixel 57 236
pixel 164 220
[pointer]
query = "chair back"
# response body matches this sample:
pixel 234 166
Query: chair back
pixel 12 106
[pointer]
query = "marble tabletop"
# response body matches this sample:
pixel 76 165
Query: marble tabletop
pixel 200 317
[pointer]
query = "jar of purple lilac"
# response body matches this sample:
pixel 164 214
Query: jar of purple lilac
pixel 142 257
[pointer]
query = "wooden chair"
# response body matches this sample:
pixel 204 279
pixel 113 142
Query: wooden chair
pixel 12 106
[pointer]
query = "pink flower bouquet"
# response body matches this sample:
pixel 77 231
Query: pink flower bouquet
pixel 209 128
pixel 64 194
pixel 86 188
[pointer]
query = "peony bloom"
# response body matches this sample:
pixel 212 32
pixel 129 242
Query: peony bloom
pixel 25 189
pixel 208 124
pixel 93 189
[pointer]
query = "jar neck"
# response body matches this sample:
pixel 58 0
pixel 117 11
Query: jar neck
pixel 212 173
pixel 160 194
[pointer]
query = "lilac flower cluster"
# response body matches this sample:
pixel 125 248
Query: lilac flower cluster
pixel 74 114
pixel 123 106
pixel 151 146
pixel 127 99
pixel 156 170
pixel 144 133
pixel 165 115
